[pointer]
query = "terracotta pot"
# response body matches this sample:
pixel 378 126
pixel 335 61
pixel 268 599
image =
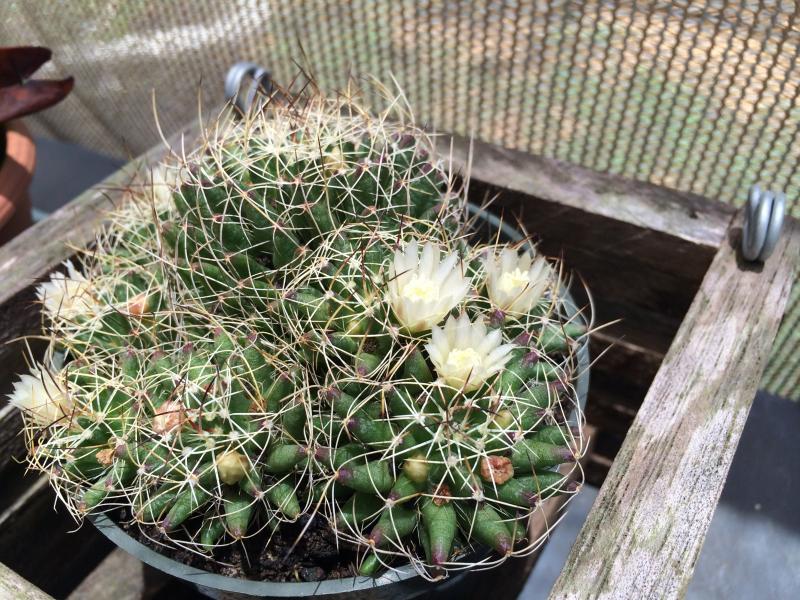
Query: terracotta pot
pixel 16 171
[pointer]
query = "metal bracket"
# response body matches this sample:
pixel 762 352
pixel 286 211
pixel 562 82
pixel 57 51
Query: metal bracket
pixel 763 221
pixel 259 78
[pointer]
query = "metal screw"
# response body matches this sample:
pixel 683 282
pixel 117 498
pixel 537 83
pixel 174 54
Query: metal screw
pixel 259 78
pixel 763 221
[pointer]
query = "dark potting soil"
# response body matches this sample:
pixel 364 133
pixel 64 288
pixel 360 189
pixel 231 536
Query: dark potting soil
pixel 262 558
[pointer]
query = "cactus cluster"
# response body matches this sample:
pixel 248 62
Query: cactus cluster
pixel 295 319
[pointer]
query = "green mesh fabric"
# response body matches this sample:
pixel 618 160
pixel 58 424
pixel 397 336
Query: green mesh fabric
pixel 698 96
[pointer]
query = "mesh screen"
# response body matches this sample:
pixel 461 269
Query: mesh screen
pixel 698 96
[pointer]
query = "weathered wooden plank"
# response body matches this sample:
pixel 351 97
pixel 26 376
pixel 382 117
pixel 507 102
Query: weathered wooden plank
pixel 14 587
pixel 120 577
pixel 12 442
pixel 678 214
pixel 645 531
pixel 597 464
pixel 610 412
pixel 622 371
pixel 621 375
pixel 40 541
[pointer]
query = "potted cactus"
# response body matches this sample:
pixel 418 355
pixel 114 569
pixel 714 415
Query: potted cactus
pixel 20 96
pixel 294 333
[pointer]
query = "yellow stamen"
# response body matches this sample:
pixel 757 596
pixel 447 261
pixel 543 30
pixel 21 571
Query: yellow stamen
pixel 511 281
pixel 419 289
pixel 463 359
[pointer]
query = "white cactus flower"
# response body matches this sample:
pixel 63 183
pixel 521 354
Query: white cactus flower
pixel 423 289
pixel 41 396
pixel 465 355
pixel 68 294
pixel 515 283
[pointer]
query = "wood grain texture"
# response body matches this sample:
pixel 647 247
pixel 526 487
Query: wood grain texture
pixel 120 577
pixel 678 214
pixel 14 587
pixel 645 531
pixel 12 442
pixel 40 542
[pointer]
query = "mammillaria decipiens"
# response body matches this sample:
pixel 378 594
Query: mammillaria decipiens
pixel 309 327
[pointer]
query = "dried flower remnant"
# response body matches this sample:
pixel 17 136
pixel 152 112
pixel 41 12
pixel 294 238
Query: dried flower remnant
pixel 496 469
pixel 168 417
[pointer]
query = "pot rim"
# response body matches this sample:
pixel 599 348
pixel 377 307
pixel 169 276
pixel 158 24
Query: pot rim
pixel 255 588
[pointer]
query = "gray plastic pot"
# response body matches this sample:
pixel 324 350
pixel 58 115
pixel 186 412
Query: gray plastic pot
pixel 402 583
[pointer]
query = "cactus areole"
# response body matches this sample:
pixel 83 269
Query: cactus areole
pixel 295 323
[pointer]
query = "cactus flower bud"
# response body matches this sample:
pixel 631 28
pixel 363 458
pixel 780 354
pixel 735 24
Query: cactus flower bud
pixel 231 467
pixel 504 418
pixel 139 304
pixel 334 161
pixel 416 468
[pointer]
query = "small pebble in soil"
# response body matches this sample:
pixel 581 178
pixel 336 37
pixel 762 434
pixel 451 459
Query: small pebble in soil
pixel 312 573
